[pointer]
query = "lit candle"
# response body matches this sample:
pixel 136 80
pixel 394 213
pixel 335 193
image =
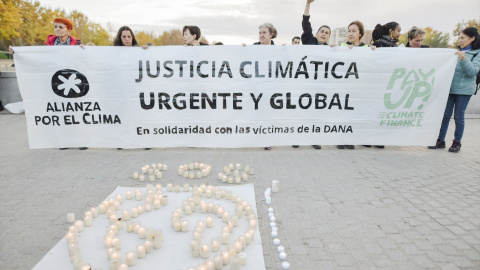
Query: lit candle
pixel 148 246
pixel 270 210
pixel 131 258
pixel 176 188
pixel 142 232
pixel 70 217
pixel 116 243
pixel 188 210
pixel 180 171
pixel 225 237
pixel 238 246
pixel 128 195
pixel 144 170
pixel 225 216
pixel 169 187
pixel 152 178
pixel 274 234
pixel 122 266
pixel 225 257
pixel 230 180
pixel 276 241
pixel 208 193
pixel 141 178
pixel 282 255
pixel 130 227
pixel 157 204
pixel 165 200
pixel 138 195
pixel 134 212
pixel 88 221
pixel 140 251
pixel 210 265
pixel 209 222
pixel 280 249
pixel 235 221
pixel 186 188
pixel 191 175
pixel 215 245
pixel 285 265
pixel 125 215
pixel 220 212
pixel 160 166
pixel 186 174
pixel 165 167
pixel 205 251
pixel 79 225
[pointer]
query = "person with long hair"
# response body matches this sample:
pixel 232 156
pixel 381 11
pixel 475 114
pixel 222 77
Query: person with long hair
pixel 192 35
pixel 125 37
pixel 462 88
pixel 415 38
pixel 386 35
pixel 323 34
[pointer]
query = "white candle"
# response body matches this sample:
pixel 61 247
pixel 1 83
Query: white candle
pixel 134 212
pixel 186 188
pixel 135 175
pixel 209 222
pixel 141 209
pixel 131 258
pixel 230 180
pixel 235 221
pixel 125 215
pixel 274 234
pixel 180 171
pixel 70 217
pixel 205 251
pixel 142 232
pixel 144 170
pixel 176 188
pixel 268 200
pixel 79 225
pixel 275 186
pixel 185 226
pixel 225 257
pixel 210 265
pixel 169 187
pixel 273 218
pixel 247 168
pixel 88 221
pixel 280 249
pixel 218 262
pixel 165 167
pixel 152 178
pixel 160 166
pixel 282 255
pixel 276 241
pixel 148 246
pixel 243 258
pixel 128 195
pixel 199 175
pixel 157 204
pixel 188 210
pixel 270 210
pixel 140 251
pixel 116 243
pixel 165 200
pixel 225 217
pixel 238 246
pixel 215 245
pixel 225 237
pixel 138 195
pixel 141 178
pixel 121 267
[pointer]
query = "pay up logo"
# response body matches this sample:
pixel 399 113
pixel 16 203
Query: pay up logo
pixel 407 92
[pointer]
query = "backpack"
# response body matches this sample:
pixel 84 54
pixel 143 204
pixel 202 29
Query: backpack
pixel 478 77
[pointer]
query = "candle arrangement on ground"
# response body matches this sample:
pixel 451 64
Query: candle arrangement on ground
pixel 235 174
pixel 194 170
pixel 216 238
pixel 273 224
pixel 150 173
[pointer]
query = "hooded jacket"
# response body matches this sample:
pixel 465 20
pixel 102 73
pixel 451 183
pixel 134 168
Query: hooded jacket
pixel 465 77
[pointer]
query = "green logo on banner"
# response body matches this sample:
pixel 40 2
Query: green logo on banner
pixel 417 87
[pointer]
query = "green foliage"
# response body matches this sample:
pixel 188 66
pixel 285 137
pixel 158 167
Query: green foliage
pixel 463 25
pixel 433 38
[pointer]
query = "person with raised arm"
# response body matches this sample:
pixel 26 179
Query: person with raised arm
pixel 323 34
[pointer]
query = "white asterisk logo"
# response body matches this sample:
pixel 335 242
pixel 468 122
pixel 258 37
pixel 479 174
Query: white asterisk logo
pixel 69 84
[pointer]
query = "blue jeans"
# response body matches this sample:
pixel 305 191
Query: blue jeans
pixel 459 103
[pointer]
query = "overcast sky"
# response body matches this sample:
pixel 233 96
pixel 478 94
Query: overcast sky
pixel 236 21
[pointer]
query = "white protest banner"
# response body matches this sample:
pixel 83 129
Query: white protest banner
pixel 232 96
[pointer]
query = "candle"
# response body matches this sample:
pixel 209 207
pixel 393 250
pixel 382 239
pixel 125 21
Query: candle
pixel 273 218
pixel 188 210
pixel 225 216
pixel 165 167
pixel 119 198
pixel 148 246
pixel 247 168
pixel 225 257
pixel 152 178
pixel 205 251
pixel 185 226
pixel 235 221
pixel 210 207
pixel 218 262
pixel 238 179
pixel 120 267
pixel 235 262
pixel 285 265
pixel 270 210
pixel 230 180
pixel 191 175
pixel 141 178
pixel 70 217
pixel 180 171
pixel 144 170
pixel 225 237
pixel 160 166
pixel 238 246
pixel 157 204
pixel 282 255
pixel 125 215
pixel 150 171
pixel 130 227
pixel 131 258
pixel 230 166
pixel 79 225
pixel 142 232
pixel 253 223
pixel 243 258
pixel 209 222
pixel 176 188
pixel 276 241
pixel 280 249
pixel 134 212
pixel 148 207
pixel 108 241
pixel 215 245
pixel 186 188
pixel 94 212
pixel 268 200
pixel 116 243
pixel 208 193
pixel 88 221
pixel 140 251
pixel 165 200
pixel 169 187
pixel 138 195
pixel 210 265
pixel 244 177
pixel 128 195
pixel 220 212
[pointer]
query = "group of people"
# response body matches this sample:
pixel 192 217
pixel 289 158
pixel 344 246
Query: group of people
pixel 462 88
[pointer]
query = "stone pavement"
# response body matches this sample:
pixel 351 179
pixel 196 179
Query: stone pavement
pixel 368 208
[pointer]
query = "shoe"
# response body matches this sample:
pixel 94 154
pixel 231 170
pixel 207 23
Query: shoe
pixel 340 146
pixel 380 146
pixel 438 144
pixel 148 148
pixel 83 148
pixel 350 146
pixel 317 147
pixel 367 146
pixel 295 146
pixel 62 148
pixel 455 148
pixel 268 148
pixel 1 106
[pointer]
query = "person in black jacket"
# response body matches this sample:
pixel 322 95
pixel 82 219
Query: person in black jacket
pixel 415 38
pixel 321 37
pixel 386 35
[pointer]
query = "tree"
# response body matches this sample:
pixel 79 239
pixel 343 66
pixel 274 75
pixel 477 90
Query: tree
pixel 9 20
pixel 462 25
pixel 143 38
pixel 172 37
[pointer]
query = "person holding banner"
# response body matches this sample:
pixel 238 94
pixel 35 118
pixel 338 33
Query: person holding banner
pixel 386 35
pixel 462 88
pixel 125 37
pixel 415 38
pixel 323 34
pixel 191 36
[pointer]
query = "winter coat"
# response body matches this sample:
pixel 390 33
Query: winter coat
pixel 385 41
pixel 465 77
pixel 51 40
pixel 258 43
pixel 307 36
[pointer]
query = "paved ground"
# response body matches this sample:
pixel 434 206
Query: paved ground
pixel 396 208
pixel 6 65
